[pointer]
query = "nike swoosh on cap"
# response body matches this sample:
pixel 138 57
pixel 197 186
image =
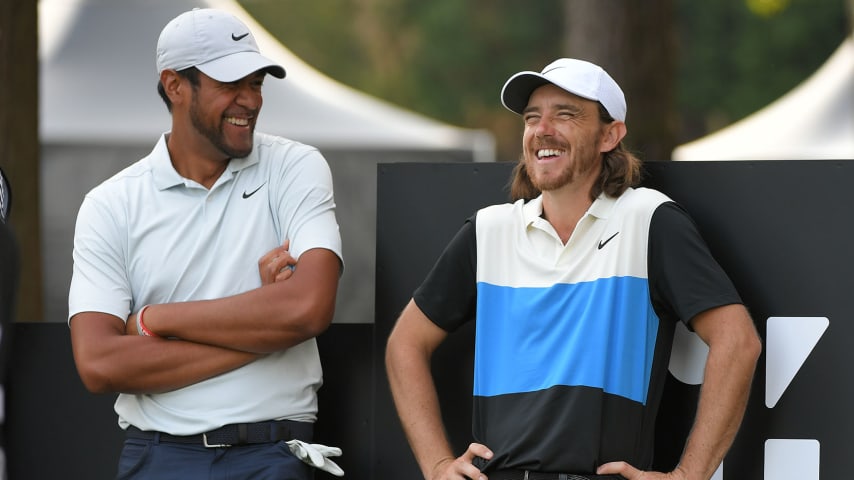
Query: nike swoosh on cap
pixel 239 37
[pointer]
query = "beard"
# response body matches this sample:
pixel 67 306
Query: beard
pixel 583 160
pixel 214 133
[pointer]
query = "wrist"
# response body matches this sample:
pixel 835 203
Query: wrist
pixel 436 471
pixel 679 473
pixel 142 329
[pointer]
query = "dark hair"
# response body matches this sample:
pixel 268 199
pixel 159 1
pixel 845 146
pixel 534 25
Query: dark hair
pixel 191 74
pixel 621 169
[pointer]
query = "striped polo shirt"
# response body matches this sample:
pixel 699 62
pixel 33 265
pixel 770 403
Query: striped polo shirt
pixel 573 340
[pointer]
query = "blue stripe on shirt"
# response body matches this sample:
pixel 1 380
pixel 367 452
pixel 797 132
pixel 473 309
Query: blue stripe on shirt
pixel 597 334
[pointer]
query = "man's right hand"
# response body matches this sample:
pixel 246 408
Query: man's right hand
pixel 461 467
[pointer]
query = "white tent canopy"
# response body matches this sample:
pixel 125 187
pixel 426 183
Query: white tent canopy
pixel 99 112
pixel 79 39
pixel 814 121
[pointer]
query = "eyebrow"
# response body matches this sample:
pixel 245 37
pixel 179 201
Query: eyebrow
pixel 529 110
pixel 569 106
pixel 561 106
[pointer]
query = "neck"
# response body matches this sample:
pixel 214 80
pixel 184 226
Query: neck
pixel 195 162
pixel 564 207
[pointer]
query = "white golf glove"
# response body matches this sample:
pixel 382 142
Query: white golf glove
pixel 317 455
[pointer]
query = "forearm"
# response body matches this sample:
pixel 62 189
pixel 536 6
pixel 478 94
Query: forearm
pixel 260 321
pixel 109 361
pixel 270 318
pixel 723 400
pixel 415 398
pixel 173 364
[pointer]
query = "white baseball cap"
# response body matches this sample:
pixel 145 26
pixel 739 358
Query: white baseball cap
pixel 575 76
pixel 216 43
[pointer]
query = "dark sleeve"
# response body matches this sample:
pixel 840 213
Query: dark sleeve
pixel 684 277
pixel 449 292
pixel 9 272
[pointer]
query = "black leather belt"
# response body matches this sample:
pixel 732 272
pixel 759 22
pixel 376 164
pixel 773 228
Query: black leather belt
pixel 235 434
pixel 529 475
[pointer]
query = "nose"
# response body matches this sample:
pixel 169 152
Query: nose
pixel 249 96
pixel 544 127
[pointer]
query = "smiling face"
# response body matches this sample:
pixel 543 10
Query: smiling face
pixel 226 113
pixel 562 140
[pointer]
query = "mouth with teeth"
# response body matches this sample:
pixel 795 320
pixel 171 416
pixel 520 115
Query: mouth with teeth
pixel 240 122
pixel 545 153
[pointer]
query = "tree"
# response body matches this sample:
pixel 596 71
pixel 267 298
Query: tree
pixel 19 143
pixel 635 42
pixel 445 59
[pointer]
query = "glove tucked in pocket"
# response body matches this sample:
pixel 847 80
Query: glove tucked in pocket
pixel 317 455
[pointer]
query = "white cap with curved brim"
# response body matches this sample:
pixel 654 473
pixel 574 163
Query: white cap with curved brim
pixel 215 42
pixel 578 77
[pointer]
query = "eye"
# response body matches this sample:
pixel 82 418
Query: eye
pixel 531 118
pixel 566 114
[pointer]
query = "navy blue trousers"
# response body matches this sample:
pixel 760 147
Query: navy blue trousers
pixel 152 459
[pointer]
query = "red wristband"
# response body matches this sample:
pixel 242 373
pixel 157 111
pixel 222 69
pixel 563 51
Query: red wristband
pixel 143 330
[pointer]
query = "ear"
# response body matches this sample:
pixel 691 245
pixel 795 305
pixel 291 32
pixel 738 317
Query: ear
pixel 173 85
pixel 613 134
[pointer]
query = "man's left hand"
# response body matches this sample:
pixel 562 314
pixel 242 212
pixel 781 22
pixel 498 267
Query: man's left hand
pixel 277 264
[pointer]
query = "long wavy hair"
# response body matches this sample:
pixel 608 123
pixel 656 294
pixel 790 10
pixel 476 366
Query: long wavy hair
pixel 621 169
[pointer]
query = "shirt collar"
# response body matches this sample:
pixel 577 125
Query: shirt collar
pixel 532 210
pixel 165 175
pixel 601 208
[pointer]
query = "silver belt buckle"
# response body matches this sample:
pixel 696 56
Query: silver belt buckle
pixel 210 445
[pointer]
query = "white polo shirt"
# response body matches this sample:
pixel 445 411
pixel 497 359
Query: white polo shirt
pixel 149 236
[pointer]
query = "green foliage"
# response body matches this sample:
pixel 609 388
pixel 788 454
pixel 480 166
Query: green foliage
pixel 440 58
pixel 444 59
pixel 448 59
pixel 740 55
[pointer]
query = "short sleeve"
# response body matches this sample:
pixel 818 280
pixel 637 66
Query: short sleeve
pixel 448 294
pixel 99 280
pixel 305 204
pixel 685 279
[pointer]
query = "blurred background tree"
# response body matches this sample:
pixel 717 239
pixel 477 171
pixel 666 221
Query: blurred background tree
pixel 19 144
pixel 687 68
pixel 606 32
